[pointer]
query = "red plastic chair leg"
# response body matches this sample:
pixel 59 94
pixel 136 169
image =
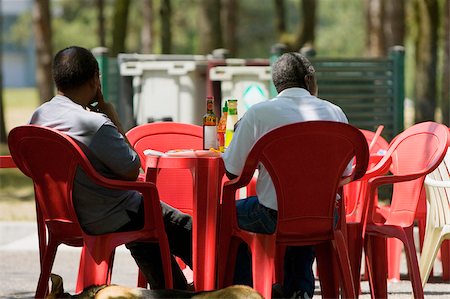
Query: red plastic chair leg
pixel 348 287
pixel 329 284
pixel 226 262
pixel 279 260
pixel 394 252
pixel 263 263
pixel 355 245
pixel 142 281
pixel 413 265
pixel 93 272
pixel 375 249
pixel 48 259
pixel 445 259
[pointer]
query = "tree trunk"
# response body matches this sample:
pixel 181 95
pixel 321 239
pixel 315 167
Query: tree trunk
pixel 280 18
pixel 375 20
pixel 147 27
pixel 230 13
pixel 306 32
pixel 395 23
pixel 426 59
pixel 120 26
pixel 101 22
pixel 445 104
pixel 3 137
pixel 210 36
pixel 166 31
pixel 44 55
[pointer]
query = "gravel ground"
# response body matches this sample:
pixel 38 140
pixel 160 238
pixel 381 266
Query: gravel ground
pixel 19 267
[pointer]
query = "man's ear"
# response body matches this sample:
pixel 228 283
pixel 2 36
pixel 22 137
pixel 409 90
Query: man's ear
pixel 311 84
pixel 94 82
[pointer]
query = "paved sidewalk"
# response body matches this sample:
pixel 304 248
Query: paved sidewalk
pixel 19 260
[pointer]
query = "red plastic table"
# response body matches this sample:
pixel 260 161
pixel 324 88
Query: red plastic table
pixel 207 171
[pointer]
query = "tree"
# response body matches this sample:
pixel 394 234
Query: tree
pixel 101 22
pixel 395 23
pixel 166 30
pixel 44 53
pixel 306 29
pixel 280 17
pixel 307 32
pixel 121 8
pixel 210 31
pixel 385 26
pixel 230 24
pixel 147 27
pixel 427 19
pixel 445 102
pixel 3 138
pixel 375 20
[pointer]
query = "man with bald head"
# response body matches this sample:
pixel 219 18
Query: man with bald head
pixel 294 78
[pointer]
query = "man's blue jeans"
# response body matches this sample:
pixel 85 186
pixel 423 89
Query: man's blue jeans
pixel 298 261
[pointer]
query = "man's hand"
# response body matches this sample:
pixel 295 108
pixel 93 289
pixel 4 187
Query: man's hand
pixel 108 109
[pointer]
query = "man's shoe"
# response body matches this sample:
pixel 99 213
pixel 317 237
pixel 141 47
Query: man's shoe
pixel 277 291
pixel 301 294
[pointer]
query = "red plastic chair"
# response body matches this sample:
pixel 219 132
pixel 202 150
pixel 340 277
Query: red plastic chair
pixel 414 153
pixel 354 194
pixel 165 136
pixel 303 171
pixel 51 159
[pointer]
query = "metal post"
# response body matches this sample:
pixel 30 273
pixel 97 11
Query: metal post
pixel 397 55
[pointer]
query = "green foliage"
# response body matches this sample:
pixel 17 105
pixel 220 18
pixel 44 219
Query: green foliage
pixel 256 31
pixel 185 26
pixel 341 28
pixel 20 32
pixel 74 23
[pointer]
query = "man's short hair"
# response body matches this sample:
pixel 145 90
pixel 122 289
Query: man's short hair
pixel 72 67
pixel 290 71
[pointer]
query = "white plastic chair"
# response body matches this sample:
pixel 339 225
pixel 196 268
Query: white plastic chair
pixel 437 230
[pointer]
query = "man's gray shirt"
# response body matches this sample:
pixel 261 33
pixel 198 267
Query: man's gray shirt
pixel 99 209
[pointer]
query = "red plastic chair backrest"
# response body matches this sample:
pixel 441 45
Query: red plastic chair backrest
pixel 417 150
pixel 380 144
pixel 306 161
pixel 354 193
pixel 164 136
pixel 50 159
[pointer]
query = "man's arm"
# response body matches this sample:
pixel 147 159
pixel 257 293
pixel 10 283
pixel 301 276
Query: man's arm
pixel 108 109
pixel 110 147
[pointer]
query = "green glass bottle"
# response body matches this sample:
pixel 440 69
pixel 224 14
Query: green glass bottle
pixel 232 119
